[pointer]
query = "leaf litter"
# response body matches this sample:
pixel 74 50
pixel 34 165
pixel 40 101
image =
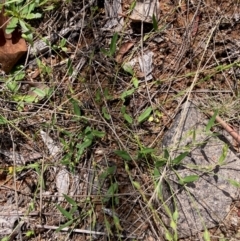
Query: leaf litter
pixel 172 46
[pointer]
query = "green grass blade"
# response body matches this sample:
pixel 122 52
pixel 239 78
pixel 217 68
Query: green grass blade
pixel 70 200
pixel 211 121
pixel 113 44
pixel 155 23
pixel 64 212
pixel 124 155
pixel 145 115
pixel 179 158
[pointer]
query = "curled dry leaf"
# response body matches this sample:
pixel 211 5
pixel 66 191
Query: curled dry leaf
pixel 113 10
pixel 123 50
pixel 20 158
pixel 12 46
pixel 52 147
pixel 143 11
pixel 9 217
pixel 62 183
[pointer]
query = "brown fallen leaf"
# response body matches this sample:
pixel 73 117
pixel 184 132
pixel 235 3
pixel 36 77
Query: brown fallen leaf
pixel 12 46
pixel 123 50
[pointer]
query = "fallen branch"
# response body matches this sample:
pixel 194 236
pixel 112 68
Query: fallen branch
pixel 229 129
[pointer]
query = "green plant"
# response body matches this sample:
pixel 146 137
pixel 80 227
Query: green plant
pixel 20 11
pixel 113 46
pixel 12 81
pixel 144 115
pixel 61 45
pixel 109 173
pixel 155 23
pixel 78 144
pixel 70 215
pixel 126 116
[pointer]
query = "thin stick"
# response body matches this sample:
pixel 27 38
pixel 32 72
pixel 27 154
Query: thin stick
pixel 84 231
pixel 229 129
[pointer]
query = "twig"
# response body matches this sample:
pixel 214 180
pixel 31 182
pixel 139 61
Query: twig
pixel 76 230
pixel 229 129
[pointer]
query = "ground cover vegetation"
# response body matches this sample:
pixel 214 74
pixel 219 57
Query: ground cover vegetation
pixel 81 151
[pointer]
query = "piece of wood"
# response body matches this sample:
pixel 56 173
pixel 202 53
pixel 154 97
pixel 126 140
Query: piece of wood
pixel 229 129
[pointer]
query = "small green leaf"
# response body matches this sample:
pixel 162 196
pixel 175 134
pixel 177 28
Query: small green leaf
pixel 223 155
pixel 30 233
pixel 123 109
pixel 173 225
pixel 65 225
pixel 24 98
pixel 160 163
pixel 29 99
pixel 40 92
pixel 32 6
pixel 28 37
pixel 69 67
pixel 188 179
pixel 97 133
pixel 234 183
pixel 206 235
pixel 105 52
pixel 128 118
pixel 145 115
pixel 175 215
pixel 105 113
pixel 211 121
pixel 49 8
pixel 113 44
pixel 7 238
pixel 166 154
pixel 24 26
pixel 132 6
pixel 136 185
pixel 64 212
pixel 117 223
pixel 108 226
pixel 12 86
pixel 168 235
pixel 73 209
pixel 86 143
pixel 11 25
pixel 19 75
pixel 76 108
pixel 110 171
pixel 70 200
pixel 128 68
pixel 88 130
pixel 3 120
pixel 147 150
pixel 179 158
pixel 124 155
pixel 112 189
pixel 155 23
pixel 33 16
pixel 127 93
pixel 135 82
pixel 156 174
